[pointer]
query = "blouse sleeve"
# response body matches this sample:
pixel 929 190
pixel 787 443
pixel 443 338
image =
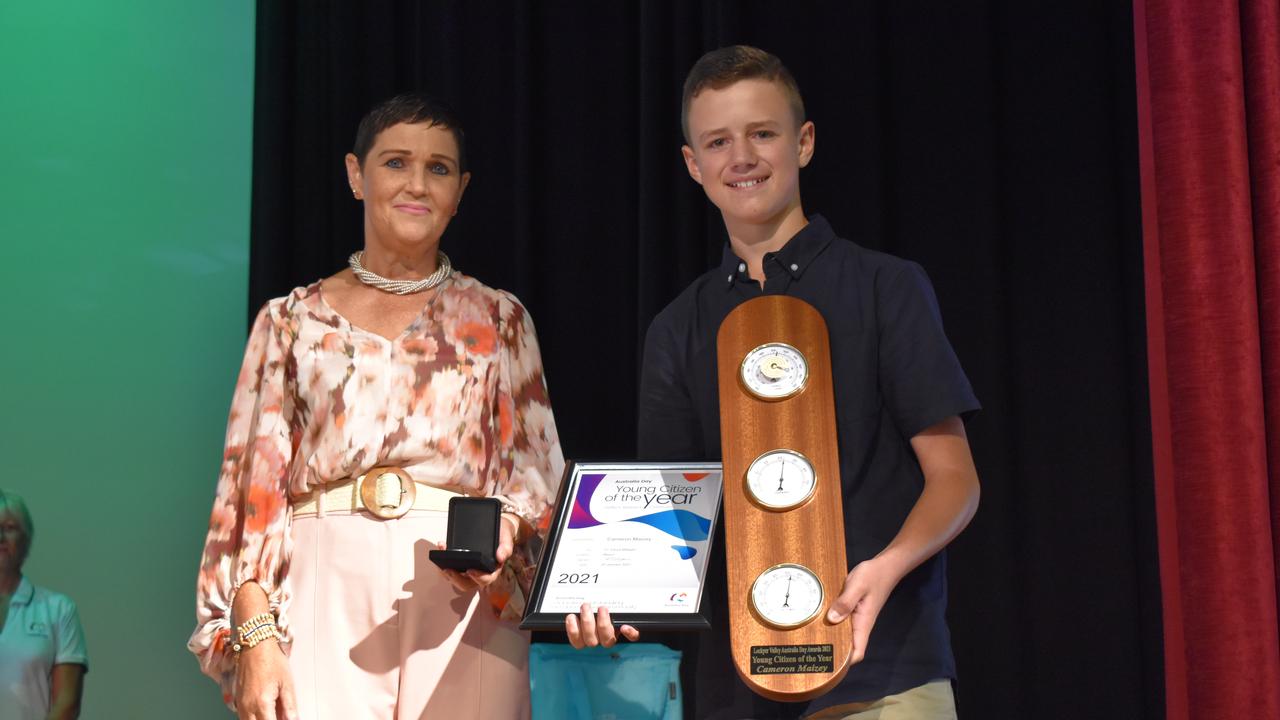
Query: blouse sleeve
pixel 248 537
pixel 529 462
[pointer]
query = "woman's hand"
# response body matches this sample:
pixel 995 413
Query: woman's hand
pixel 473 580
pixel 264 688
pixel 589 630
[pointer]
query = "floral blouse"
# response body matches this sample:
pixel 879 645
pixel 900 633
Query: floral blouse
pixel 458 400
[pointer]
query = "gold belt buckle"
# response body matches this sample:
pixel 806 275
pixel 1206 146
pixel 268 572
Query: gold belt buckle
pixel 387 491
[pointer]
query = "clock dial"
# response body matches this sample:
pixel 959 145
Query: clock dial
pixel 781 479
pixel 787 595
pixel 774 371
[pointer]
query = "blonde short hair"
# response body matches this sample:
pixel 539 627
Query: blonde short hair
pixel 721 68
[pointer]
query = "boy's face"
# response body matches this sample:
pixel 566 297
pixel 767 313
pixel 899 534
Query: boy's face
pixel 746 151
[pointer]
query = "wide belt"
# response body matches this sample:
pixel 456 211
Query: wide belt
pixel 386 492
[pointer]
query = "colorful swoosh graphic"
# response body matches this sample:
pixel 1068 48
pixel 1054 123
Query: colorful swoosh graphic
pixel 682 524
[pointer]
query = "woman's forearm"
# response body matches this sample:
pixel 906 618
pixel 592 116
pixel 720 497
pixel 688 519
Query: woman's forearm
pixel 250 600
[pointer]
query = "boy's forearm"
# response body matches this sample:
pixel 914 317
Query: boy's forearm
pixel 941 512
pixel 945 506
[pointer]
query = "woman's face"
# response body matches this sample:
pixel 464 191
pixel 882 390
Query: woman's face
pixel 13 542
pixel 410 185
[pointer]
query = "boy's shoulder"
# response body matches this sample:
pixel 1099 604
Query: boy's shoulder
pixel 884 277
pixel 870 262
pixel 680 312
pixel 819 244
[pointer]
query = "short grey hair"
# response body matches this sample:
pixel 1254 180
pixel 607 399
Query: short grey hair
pixel 13 502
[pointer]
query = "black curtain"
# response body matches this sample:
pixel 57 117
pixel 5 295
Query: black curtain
pixel 993 142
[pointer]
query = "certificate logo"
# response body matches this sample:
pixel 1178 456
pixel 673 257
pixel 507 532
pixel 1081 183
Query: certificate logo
pixel 679 598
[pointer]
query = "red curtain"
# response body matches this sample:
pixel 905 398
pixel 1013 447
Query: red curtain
pixel 1209 115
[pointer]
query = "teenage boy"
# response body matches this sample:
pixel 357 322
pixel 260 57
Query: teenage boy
pixel 907 476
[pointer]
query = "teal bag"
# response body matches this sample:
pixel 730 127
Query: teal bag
pixel 639 681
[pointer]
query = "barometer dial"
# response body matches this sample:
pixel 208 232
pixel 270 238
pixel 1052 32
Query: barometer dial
pixel 774 371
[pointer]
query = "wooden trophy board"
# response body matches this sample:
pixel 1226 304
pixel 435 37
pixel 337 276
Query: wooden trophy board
pixel 802 656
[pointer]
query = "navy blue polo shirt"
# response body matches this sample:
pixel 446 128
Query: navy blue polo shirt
pixel 895 374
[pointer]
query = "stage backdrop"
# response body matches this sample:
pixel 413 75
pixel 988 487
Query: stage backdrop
pixel 125 132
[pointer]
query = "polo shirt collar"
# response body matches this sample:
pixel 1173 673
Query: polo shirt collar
pixel 22 596
pixel 795 256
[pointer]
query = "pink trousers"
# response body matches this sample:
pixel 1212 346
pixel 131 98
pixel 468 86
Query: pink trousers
pixel 380 634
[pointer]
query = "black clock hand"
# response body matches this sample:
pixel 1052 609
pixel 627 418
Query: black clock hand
pixel 786 600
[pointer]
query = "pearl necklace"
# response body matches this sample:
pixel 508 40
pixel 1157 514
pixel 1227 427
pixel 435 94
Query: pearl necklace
pixel 402 287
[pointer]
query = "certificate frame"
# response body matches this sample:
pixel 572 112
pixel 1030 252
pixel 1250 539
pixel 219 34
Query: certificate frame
pixel 545 611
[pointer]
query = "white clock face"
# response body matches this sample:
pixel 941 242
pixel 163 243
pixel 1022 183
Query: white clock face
pixel 774 371
pixel 787 595
pixel 781 479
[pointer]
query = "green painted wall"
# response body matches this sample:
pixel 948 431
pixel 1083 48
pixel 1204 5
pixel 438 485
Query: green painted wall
pixel 125 136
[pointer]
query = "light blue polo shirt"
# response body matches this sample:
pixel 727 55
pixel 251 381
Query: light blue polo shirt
pixel 42 630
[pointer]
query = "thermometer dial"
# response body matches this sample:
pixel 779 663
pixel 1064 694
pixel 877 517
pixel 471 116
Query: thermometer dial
pixel 787 596
pixel 781 479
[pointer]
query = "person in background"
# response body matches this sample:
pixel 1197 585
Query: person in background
pixel 365 402
pixel 42 651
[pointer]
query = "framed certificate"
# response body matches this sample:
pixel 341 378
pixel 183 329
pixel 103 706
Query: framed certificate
pixel 632 537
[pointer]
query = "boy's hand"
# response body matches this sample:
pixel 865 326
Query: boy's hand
pixel 589 630
pixel 865 591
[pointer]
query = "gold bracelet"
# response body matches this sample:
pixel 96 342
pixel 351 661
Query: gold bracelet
pixel 255 630
pixel 262 632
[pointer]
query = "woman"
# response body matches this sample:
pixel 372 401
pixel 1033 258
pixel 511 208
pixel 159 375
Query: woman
pixel 42 655
pixel 365 401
